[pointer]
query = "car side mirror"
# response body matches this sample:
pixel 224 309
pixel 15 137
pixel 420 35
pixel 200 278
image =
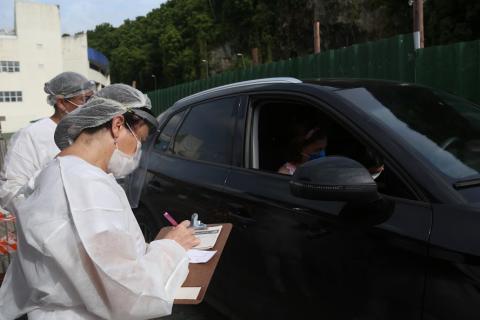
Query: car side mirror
pixel 334 179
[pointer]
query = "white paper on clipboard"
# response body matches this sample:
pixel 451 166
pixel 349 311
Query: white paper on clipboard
pixel 208 237
pixel 187 293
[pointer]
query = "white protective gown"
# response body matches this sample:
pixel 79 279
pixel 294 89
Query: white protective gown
pixel 29 150
pixel 82 255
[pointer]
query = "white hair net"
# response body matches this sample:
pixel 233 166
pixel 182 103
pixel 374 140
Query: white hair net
pixel 125 94
pixel 132 98
pixel 95 112
pixel 67 85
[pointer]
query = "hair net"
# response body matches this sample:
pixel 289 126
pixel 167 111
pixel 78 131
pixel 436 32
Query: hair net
pixel 95 112
pixel 132 98
pixel 125 94
pixel 67 85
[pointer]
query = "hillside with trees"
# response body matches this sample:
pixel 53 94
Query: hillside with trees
pixel 171 41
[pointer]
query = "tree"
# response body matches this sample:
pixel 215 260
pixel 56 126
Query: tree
pixel 171 41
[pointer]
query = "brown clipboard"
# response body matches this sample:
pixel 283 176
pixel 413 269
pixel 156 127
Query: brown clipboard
pixel 200 274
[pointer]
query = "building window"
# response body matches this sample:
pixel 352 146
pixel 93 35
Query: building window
pixel 11 96
pixel 9 66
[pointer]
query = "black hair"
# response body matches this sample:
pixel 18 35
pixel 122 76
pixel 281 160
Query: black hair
pixel 317 134
pixel 297 143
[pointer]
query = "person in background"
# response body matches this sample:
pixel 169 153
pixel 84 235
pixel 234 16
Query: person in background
pixel 32 147
pixel 305 148
pixel 81 253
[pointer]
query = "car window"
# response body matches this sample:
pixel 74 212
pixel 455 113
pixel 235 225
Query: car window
pixel 442 128
pixel 163 140
pixel 290 133
pixel 206 134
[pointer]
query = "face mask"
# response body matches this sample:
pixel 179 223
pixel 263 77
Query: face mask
pixel 85 100
pixel 76 105
pixel 65 110
pixel 376 175
pixel 316 155
pixel 122 164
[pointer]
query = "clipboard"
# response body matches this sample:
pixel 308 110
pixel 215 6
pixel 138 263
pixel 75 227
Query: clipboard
pixel 200 274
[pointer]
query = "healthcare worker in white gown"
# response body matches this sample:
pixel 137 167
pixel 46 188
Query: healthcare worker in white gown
pixel 81 254
pixel 31 148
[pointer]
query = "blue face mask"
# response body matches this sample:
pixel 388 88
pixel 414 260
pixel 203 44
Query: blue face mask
pixel 316 155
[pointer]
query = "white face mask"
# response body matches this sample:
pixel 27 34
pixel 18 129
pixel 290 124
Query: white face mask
pixel 122 164
pixel 75 104
pixel 376 175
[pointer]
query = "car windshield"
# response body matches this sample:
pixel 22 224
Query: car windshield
pixel 444 128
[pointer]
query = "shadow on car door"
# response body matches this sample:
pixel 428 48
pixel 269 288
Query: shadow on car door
pixel 289 257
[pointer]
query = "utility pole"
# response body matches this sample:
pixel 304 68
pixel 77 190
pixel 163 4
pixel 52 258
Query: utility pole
pixel 318 14
pixel 206 64
pixel 316 36
pixel 418 30
pixel 255 56
pixel 154 81
pixel 243 60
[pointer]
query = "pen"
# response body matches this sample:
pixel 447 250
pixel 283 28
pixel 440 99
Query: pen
pixel 170 219
pixel 206 232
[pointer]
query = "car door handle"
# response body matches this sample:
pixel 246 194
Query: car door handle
pixel 317 233
pixel 242 218
pixel 157 186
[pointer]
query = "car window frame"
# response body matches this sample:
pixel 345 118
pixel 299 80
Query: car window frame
pixel 169 152
pixel 342 120
pixel 164 125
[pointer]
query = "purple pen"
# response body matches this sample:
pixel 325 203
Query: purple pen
pixel 170 219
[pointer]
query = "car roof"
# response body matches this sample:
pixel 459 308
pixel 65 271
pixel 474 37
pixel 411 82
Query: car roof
pixel 339 84
pixel 330 84
pixel 236 85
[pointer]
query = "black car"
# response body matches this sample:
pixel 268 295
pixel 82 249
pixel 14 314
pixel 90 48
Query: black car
pixel 329 242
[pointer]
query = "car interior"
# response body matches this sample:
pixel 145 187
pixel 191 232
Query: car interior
pixel 276 122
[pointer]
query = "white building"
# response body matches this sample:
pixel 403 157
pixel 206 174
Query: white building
pixel 34 53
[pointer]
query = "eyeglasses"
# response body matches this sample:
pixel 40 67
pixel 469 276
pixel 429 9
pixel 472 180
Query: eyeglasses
pixel 82 100
pixel 87 97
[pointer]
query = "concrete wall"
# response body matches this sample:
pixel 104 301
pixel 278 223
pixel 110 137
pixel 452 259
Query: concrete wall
pixel 37 46
pixel 43 53
pixel 98 77
pixel 75 57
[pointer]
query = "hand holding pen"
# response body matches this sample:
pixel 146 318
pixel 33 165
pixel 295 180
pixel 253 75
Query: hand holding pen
pixel 181 233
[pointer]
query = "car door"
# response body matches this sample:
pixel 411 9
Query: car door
pixel 295 258
pixel 190 161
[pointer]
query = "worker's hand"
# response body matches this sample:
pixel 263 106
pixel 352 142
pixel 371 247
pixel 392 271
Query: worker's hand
pixel 183 235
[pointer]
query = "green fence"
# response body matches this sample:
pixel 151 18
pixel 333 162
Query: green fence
pixel 455 68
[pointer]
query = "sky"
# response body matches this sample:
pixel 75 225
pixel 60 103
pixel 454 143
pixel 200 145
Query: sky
pixel 82 15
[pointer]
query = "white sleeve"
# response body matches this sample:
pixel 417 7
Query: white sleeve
pixel 138 282
pixel 19 166
pixel 135 287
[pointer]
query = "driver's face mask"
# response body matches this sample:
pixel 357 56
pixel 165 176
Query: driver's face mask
pixel 319 154
pixel 122 164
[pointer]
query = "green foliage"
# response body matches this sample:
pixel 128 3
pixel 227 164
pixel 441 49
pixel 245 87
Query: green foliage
pixel 455 20
pixel 171 41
